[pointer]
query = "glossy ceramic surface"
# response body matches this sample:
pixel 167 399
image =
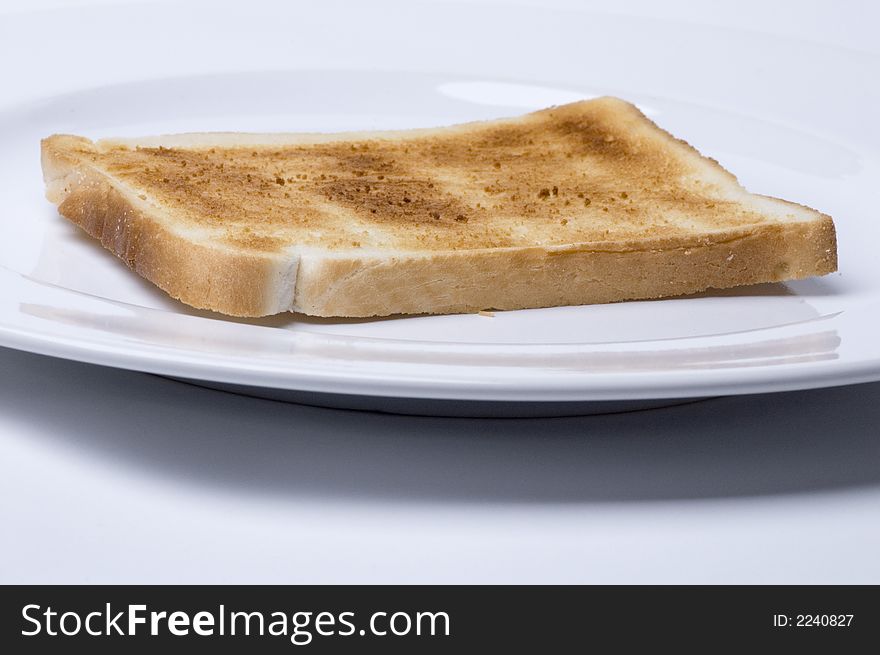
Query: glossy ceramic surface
pixel 790 118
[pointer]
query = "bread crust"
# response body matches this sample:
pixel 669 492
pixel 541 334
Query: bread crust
pixel 547 277
pixel 245 281
pixel 202 275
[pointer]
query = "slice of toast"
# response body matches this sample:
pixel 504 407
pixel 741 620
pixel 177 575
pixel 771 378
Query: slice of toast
pixel 585 203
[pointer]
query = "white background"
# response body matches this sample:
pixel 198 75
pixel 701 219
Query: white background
pixel 112 476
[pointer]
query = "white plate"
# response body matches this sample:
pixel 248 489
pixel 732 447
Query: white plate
pixel 791 118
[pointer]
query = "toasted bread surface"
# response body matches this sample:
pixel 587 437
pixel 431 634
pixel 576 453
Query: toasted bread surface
pixel 588 202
